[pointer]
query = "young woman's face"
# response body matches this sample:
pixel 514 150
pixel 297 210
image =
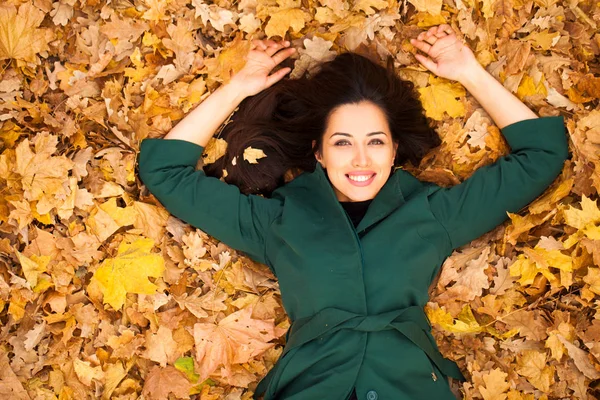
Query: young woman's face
pixel 358 151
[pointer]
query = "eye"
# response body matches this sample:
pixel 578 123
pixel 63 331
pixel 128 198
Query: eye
pixel 341 143
pixel 377 141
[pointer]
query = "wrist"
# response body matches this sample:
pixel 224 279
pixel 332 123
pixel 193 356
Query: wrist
pixel 473 76
pixel 235 91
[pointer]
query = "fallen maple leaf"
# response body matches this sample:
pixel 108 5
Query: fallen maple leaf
pixel 495 385
pixel 128 272
pixel 441 97
pixel 20 37
pixel 251 155
pixel 162 381
pixel 214 150
pixel 234 340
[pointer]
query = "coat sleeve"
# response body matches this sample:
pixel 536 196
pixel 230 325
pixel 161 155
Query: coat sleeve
pixel 168 169
pixel 539 149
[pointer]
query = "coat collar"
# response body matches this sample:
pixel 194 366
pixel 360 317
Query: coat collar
pixel 313 190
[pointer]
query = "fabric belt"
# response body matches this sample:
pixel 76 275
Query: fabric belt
pixel 410 321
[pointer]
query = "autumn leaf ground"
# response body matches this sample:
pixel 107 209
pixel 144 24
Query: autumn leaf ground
pixel 103 294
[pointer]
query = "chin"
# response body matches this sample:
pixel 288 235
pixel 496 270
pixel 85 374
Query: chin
pixel 361 197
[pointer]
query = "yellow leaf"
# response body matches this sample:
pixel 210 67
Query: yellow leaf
pixel 525 268
pixel 128 272
pixel 593 232
pixel 33 267
pixel 426 20
pixel 539 260
pixel 593 279
pixel 441 97
pixel 122 216
pixel 532 365
pixel 529 88
pixel 589 213
pixel 42 175
pixel 139 74
pixel 495 385
pixel 555 346
pixel 20 37
pixel 465 323
pixel 214 150
pixel 433 7
pixel 544 39
pixel 85 372
pixel 281 22
pixel 251 155
pixel 487 8
pixel 370 7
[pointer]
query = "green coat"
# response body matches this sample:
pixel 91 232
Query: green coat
pixel 356 296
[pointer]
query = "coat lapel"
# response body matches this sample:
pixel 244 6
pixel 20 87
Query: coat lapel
pixel 391 196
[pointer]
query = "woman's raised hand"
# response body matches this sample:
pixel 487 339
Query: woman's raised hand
pixel 264 55
pixel 448 57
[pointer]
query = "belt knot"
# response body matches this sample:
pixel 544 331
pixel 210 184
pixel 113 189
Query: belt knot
pixel 372 323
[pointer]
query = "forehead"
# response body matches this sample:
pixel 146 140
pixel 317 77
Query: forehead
pixel 357 119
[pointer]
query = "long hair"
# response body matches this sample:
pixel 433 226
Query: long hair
pixel 285 118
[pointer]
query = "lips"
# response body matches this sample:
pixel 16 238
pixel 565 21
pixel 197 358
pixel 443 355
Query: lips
pixel 363 179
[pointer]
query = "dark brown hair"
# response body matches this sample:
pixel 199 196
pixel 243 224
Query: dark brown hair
pixel 285 118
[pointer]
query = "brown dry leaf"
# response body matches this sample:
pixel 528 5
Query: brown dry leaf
pixel 234 340
pixel 529 323
pixel 532 365
pixel 161 382
pixel 77 95
pixel 10 386
pixel 161 347
pixel 470 281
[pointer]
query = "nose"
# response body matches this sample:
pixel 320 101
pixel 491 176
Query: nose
pixel 361 157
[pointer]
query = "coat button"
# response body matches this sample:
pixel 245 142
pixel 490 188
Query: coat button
pixel 372 395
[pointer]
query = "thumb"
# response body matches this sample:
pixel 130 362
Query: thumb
pixel 427 62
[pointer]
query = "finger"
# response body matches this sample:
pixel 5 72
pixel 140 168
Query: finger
pixel 431 39
pixel 255 43
pixel 426 62
pixel 282 55
pixel 441 31
pixel 421 45
pixel 448 29
pixel 274 48
pixel 260 45
pixel 277 76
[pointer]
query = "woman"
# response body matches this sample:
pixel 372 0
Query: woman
pixel 354 244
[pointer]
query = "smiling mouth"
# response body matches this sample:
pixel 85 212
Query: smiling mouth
pixel 360 180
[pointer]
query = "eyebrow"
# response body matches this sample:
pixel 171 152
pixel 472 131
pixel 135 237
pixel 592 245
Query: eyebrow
pixel 349 135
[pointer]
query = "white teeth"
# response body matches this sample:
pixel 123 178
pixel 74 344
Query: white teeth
pixel 360 178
